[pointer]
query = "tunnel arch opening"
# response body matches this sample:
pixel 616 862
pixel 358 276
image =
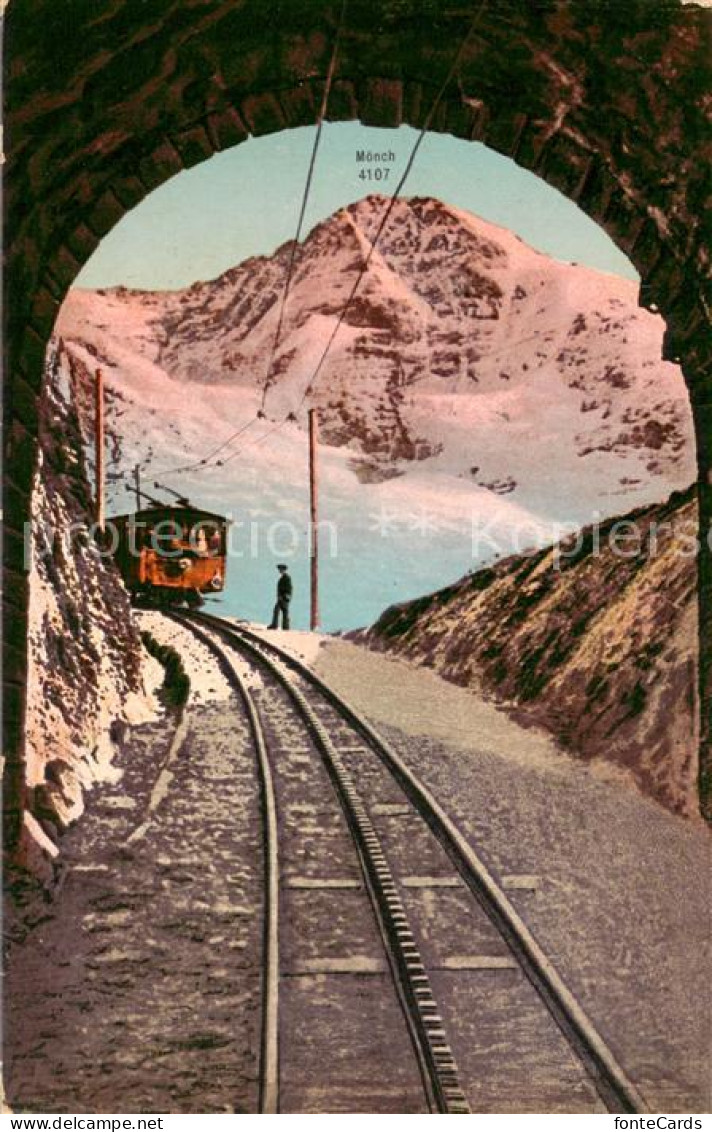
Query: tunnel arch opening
pixel 252 197
pixel 608 113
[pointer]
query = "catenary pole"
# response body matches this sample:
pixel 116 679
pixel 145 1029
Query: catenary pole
pixel 99 449
pixel 314 517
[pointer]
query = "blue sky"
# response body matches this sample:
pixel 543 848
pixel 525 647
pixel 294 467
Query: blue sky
pixel 245 202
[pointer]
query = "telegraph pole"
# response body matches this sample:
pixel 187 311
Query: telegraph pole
pixel 314 517
pixel 99 449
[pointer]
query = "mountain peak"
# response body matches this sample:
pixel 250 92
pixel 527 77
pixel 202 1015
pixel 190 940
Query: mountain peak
pixel 460 346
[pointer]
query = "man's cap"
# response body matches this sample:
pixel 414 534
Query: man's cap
pixel 281 566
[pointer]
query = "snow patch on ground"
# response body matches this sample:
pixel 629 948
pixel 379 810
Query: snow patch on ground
pixel 207 682
pixel 304 646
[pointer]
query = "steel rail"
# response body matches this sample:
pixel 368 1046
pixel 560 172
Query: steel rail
pixel 612 1083
pixel 438 1069
pixel 269 1036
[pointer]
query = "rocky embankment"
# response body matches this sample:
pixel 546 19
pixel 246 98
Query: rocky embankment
pixel 85 659
pixel 594 639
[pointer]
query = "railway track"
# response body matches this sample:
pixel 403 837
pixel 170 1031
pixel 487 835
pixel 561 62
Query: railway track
pixel 359 852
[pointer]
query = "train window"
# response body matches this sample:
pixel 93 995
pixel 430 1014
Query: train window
pixel 199 541
pixel 205 539
pixel 166 537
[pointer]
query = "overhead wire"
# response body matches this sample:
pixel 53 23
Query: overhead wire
pixel 394 197
pixel 305 198
pixel 309 388
pixel 210 457
pixel 206 460
pixel 257 441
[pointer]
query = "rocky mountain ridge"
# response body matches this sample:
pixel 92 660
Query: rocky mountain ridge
pixel 461 344
pixel 595 640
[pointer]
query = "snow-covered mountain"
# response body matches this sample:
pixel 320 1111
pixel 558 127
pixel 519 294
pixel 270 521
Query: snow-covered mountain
pixel 475 385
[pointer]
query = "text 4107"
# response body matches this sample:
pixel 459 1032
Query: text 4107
pixel 380 173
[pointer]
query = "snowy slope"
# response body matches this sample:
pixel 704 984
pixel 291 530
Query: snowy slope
pixel 477 394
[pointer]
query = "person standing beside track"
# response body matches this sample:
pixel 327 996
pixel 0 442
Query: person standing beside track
pixel 284 596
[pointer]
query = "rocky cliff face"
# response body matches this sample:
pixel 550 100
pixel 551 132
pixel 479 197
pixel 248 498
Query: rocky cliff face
pixel 85 655
pixel 595 640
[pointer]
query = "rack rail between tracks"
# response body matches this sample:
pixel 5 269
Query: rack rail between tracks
pixel 440 1076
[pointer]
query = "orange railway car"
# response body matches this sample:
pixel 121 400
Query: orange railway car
pixel 171 555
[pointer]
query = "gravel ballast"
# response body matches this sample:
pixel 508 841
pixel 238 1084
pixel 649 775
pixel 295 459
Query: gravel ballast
pixel 615 888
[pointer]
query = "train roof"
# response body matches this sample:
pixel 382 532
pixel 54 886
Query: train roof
pixel 169 511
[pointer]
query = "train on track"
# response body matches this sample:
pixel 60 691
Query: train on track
pixel 171 555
